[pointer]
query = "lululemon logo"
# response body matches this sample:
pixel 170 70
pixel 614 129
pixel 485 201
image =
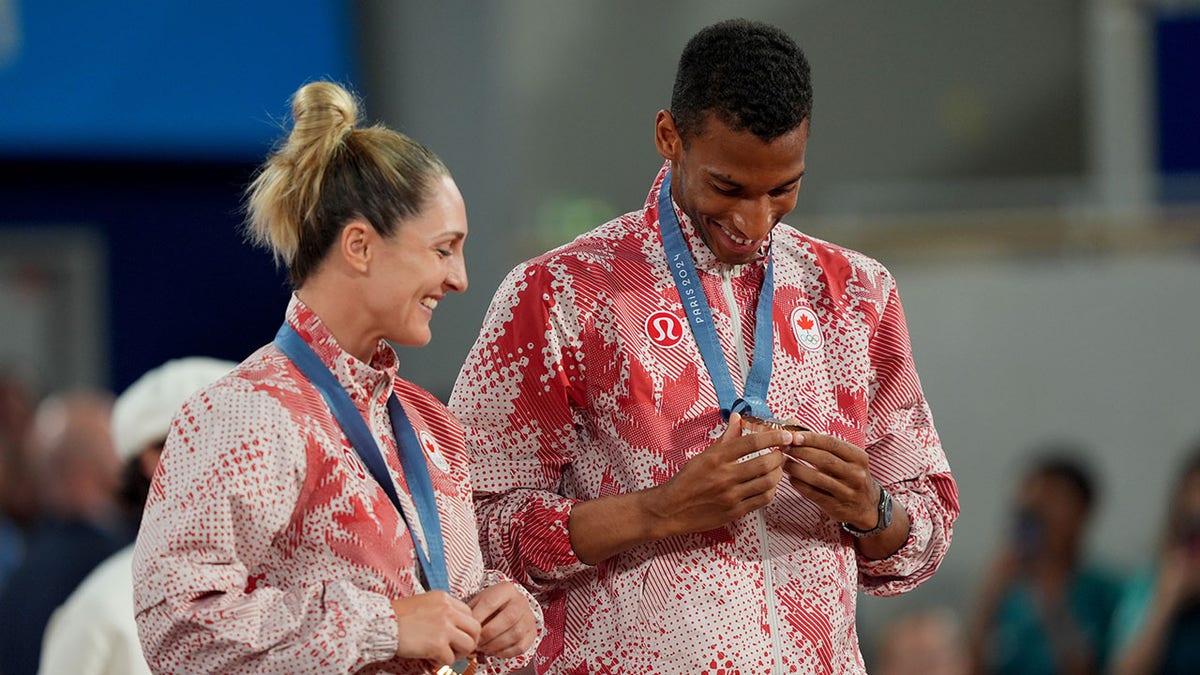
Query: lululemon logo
pixel 807 330
pixel 429 444
pixel 664 329
pixel 352 458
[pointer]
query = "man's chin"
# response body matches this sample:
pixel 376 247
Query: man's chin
pixel 734 257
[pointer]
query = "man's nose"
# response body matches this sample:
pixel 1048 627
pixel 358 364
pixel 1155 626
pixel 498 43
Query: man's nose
pixel 755 217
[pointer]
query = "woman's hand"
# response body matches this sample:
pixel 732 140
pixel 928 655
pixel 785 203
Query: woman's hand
pixel 435 626
pixel 509 628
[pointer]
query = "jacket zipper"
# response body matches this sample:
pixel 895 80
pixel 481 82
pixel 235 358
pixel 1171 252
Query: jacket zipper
pixel 760 518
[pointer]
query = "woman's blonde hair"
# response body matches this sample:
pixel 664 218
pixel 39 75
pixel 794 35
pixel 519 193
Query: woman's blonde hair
pixel 329 171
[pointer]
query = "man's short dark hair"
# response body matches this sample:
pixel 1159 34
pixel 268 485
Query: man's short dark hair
pixel 751 75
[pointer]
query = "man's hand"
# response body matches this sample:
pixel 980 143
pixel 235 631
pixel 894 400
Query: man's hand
pixel 435 626
pixel 834 475
pixel 714 487
pixel 509 627
pixel 719 485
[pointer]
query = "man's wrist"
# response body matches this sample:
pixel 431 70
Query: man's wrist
pixel 656 523
pixel 606 526
pixel 882 519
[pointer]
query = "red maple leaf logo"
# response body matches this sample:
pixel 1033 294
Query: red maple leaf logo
pixel 805 322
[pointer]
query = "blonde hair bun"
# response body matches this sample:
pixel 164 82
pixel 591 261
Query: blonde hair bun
pixel 328 170
pixel 324 113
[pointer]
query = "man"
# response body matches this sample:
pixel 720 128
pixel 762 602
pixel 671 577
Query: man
pixel 93 632
pixel 76 473
pixel 612 474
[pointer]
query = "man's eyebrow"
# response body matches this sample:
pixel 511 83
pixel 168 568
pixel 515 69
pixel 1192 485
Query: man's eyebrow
pixel 733 183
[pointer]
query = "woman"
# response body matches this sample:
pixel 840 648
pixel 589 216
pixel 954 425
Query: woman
pixel 270 541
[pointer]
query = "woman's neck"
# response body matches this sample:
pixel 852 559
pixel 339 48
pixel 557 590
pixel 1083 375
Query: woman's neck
pixel 343 319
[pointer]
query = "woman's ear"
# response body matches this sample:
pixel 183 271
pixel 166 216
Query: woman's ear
pixel 356 244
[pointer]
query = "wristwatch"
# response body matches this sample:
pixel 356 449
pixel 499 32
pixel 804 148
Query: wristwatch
pixel 885 516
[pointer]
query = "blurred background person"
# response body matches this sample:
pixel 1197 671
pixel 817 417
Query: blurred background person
pixel 77 472
pixel 16 407
pixel 923 642
pixel 1157 625
pixel 18 503
pixel 1042 607
pixel 12 544
pixel 94 632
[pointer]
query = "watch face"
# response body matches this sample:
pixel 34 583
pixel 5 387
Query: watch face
pixel 885 508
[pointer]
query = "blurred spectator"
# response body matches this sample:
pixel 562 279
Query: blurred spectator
pixel 76 472
pixel 17 505
pixel 16 409
pixel 11 544
pixel 1042 609
pixel 923 642
pixel 1157 626
pixel 94 632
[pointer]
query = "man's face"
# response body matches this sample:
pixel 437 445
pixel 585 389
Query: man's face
pixel 734 186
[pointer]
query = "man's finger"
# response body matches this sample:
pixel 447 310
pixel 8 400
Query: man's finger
pixel 755 443
pixel 818 480
pixel 820 460
pixel 760 485
pixel 758 466
pixel 835 446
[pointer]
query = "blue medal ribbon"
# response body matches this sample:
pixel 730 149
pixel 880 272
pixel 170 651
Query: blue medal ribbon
pixel 753 400
pixel 412 458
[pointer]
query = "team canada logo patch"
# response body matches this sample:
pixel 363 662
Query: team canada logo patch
pixel 807 330
pixel 664 329
pixel 430 445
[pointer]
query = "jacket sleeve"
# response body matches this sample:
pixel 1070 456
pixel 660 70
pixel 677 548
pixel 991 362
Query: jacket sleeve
pixel 516 397
pixel 225 490
pixel 906 456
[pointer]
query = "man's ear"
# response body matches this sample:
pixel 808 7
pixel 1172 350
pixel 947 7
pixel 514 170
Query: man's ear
pixel 666 136
pixel 356 244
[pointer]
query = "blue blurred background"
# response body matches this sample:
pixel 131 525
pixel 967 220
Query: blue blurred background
pixel 1027 169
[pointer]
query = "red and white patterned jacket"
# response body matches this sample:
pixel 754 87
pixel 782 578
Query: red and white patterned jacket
pixel 578 387
pixel 266 545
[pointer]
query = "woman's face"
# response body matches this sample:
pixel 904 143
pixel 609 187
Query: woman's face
pixel 417 266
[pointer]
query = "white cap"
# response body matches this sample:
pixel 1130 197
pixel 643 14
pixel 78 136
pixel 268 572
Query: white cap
pixel 142 414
